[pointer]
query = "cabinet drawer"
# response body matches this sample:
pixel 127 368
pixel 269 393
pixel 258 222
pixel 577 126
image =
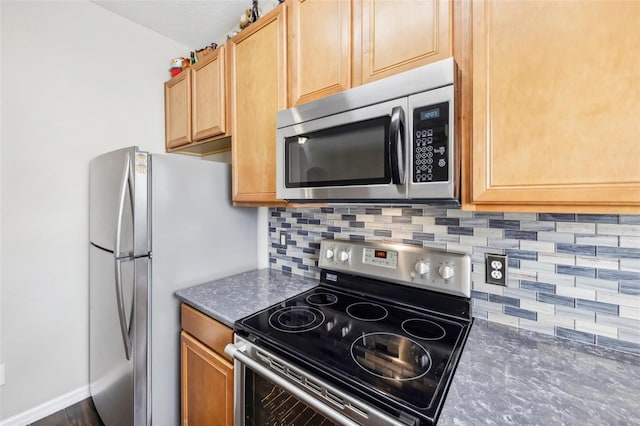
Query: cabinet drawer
pixel 209 331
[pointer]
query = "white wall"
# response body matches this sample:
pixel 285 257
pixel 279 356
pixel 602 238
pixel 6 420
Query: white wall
pixel 76 81
pixel 1 365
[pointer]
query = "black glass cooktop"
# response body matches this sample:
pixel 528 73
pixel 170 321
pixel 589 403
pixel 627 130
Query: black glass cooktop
pixel 402 355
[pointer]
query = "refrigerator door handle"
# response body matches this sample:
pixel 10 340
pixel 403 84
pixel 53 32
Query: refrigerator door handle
pixel 125 186
pixel 124 328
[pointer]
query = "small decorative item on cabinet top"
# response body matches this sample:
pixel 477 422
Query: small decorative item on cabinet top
pixel 205 51
pixel 179 64
pixel 251 15
pixel 245 19
pixel 176 66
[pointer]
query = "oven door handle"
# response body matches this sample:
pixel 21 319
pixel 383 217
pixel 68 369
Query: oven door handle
pixel 237 352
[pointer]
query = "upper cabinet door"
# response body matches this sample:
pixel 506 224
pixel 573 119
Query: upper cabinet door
pixel 259 91
pixel 209 96
pixel 393 36
pixel 556 106
pixel 177 104
pixel 319 48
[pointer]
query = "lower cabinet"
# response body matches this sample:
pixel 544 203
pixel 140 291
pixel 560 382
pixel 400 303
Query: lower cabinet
pixel 206 372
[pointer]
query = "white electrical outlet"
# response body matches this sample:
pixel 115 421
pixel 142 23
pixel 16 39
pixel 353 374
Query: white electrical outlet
pixel 1 374
pixel 496 269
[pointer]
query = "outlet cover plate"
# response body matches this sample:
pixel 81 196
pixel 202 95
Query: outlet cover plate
pixel 283 239
pixel 496 269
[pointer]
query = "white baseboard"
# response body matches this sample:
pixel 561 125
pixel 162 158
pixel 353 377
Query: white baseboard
pixel 49 407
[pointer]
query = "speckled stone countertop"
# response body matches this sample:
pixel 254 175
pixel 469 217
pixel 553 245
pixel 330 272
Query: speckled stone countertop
pixel 510 376
pixel 506 376
pixel 229 299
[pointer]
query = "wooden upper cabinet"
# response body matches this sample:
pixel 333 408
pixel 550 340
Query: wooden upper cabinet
pixel 196 107
pixel 556 106
pixel 392 36
pixel 259 90
pixel 338 44
pixel 209 96
pixel 319 43
pixel 177 109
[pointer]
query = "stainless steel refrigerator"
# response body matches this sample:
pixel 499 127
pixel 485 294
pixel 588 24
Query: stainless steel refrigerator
pixel 157 223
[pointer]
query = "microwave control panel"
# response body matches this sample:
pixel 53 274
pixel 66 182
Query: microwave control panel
pixel 430 137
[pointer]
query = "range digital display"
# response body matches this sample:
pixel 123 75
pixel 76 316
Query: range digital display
pixel 378 257
pixel 380 254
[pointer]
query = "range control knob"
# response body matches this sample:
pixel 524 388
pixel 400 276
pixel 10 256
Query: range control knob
pixel 446 271
pixel 344 255
pixel 421 267
pixel 329 253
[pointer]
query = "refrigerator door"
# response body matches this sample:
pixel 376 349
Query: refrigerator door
pixel 110 370
pixel 198 236
pixel 118 202
pixel 141 344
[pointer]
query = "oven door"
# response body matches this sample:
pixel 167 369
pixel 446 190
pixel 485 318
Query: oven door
pixel 354 155
pixel 272 391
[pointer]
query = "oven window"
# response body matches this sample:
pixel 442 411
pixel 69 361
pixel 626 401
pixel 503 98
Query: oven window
pixel 351 154
pixel 268 404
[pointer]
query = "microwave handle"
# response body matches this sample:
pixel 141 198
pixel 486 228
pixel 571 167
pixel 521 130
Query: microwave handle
pixel 396 145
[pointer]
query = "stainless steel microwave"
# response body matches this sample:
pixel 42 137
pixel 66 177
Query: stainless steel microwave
pixel 392 140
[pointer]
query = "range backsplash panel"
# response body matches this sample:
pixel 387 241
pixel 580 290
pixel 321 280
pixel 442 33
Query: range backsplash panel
pixel 575 276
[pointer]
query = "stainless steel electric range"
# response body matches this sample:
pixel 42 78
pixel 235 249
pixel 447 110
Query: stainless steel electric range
pixel 375 343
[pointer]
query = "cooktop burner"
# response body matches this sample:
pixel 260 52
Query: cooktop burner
pixel 423 329
pixel 366 311
pixel 391 356
pixel 322 299
pixel 296 319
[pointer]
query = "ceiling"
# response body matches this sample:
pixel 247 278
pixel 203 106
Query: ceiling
pixel 192 23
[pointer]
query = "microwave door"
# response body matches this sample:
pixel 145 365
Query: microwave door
pixel 433 155
pixel 350 156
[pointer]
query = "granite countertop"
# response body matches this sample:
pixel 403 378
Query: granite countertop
pixel 510 376
pixel 229 299
pixel 506 376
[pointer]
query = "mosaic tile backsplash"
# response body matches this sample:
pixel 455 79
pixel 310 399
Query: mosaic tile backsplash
pixel 574 276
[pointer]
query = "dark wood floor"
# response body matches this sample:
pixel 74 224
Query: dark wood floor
pixel 81 414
